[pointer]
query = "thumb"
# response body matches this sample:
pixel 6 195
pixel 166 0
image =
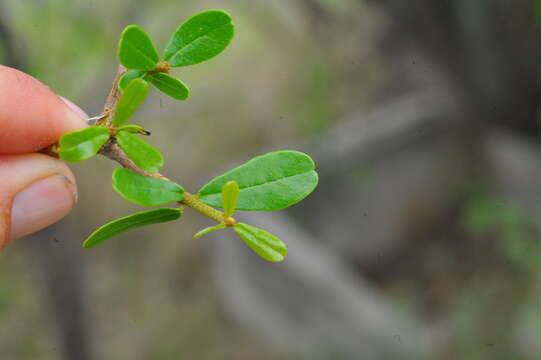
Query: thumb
pixel 36 191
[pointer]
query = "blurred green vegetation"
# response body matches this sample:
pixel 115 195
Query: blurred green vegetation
pixel 504 223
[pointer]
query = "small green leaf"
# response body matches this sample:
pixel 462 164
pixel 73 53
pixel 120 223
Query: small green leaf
pixel 200 38
pixel 170 85
pixel 145 190
pixel 83 144
pixel 268 182
pixel 134 221
pixel 142 154
pixel 132 97
pixel 134 129
pixel 129 76
pixel 230 195
pixel 136 50
pixel 209 229
pixel 266 245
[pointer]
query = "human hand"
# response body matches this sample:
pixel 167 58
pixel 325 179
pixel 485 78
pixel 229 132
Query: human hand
pixel 36 190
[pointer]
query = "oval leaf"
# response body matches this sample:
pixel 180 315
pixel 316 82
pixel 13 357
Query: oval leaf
pixel 170 85
pixel 230 195
pixel 266 245
pixel 132 97
pixel 83 144
pixel 129 76
pixel 140 152
pixel 268 182
pixel 136 50
pixel 145 190
pixel 134 221
pixel 200 38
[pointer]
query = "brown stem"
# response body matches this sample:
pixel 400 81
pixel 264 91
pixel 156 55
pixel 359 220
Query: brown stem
pixel 110 104
pixel 112 151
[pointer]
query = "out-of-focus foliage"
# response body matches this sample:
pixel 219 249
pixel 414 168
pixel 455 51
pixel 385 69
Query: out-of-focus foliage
pixel 537 9
pixel 72 37
pixel 2 53
pixel 508 226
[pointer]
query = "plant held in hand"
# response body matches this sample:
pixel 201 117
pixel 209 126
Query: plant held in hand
pixel 268 182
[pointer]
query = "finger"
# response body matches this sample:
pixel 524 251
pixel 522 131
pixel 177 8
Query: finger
pixel 36 190
pixel 31 116
pixel 76 109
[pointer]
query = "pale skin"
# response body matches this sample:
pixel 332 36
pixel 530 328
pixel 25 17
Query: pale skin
pixel 36 190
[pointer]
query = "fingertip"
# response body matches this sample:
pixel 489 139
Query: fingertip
pixel 41 204
pixel 36 191
pixel 76 109
pixel 31 115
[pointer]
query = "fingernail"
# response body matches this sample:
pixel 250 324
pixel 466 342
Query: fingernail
pixel 74 108
pixel 41 204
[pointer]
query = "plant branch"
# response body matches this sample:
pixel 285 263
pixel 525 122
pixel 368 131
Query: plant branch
pixel 112 151
pixel 193 202
pixel 112 99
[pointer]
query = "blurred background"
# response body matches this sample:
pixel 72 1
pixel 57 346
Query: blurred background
pixel 421 241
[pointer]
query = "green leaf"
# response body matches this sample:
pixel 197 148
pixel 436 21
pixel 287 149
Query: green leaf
pixel 200 38
pixel 145 190
pixel 268 182
pixel 83 144
pixel 230 195
pixel 266 245
pixel 134 129
pixel 129 76
pixel 209 229
pixel 170 85
pixel 132 97
pixel 134 221
pixel 135 49
pixel 142 154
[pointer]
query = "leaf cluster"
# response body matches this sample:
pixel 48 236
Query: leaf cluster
pixel 200 38
pixel 268 182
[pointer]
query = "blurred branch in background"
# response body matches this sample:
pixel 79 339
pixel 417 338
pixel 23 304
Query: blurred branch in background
pixel 63 272
pixel 488 51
